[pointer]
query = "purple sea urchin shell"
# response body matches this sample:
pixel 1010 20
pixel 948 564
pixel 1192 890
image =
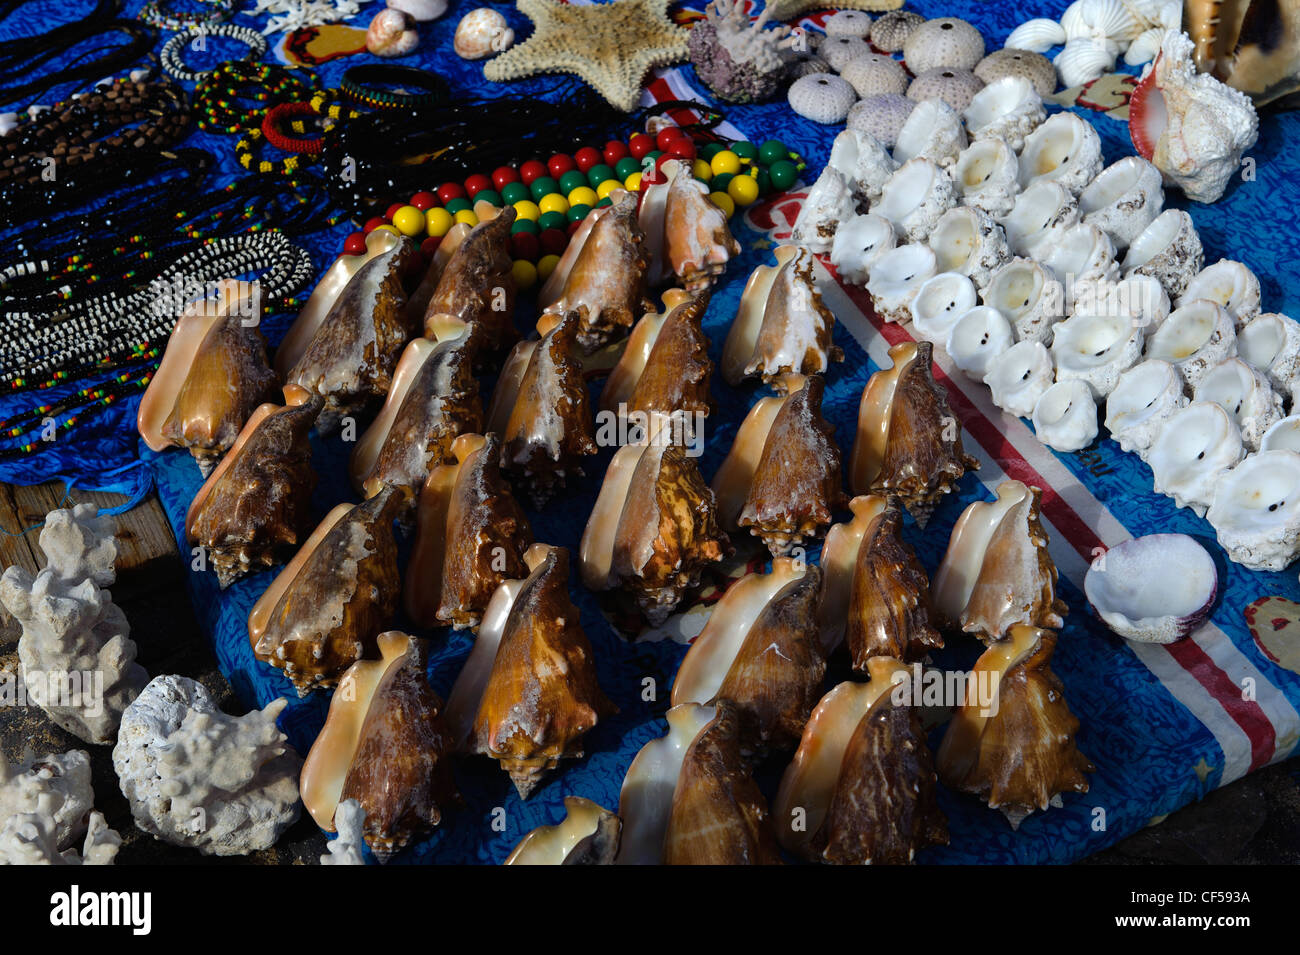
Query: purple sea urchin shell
pixel 1133 590
pixel 882 116
pixel 955 87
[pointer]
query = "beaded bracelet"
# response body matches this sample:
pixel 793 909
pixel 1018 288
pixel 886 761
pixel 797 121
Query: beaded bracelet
pixel 155 14
pixel 171 51
pixel 359 82
pixel 244 152
pixel 221 96
pixel 292 115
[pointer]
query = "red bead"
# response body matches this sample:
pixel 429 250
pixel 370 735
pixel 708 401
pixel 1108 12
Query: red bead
pixel 449 191
pixel 639 145
pixel 559 164
pixel 574 227
pixel 531 170
pixel 682 148
pixel 392 210
pixel 355 244
pixel 476 184
pixel 614 151
pixel 424 200
pixel 667 135
pixel 587 157
pixel 659 165
pixel 373 224
pixel 502 176
pixel 525 245
pixel 553 241
pixel 430 245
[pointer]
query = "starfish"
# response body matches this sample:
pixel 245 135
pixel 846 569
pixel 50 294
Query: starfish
pixel 609 45
pixel 793 9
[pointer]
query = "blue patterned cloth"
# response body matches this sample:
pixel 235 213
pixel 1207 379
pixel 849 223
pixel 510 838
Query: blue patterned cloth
pixel 1162 728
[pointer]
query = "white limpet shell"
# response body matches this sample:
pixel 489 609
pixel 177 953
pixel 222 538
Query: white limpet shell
pixel 858 244
pixel 828 203
pixel 863 161
pixel 1083 251
pixel 1144 397
pixel 967 240
pixel 915 197
pixel 1084 60
pixel 1064 150
pixel 985 176
pixel 1042 213
pixel 1169 250
pixel 1009 108
pixel 1019 376
pixel 1256 510
pixel 897 277
pixel 941 301
pixel 1284 435
pixel 1244 393
pixel 1131 587
pixel 1194 446
pixel 1036 36
pixel 1124 199
pixel 976 338
pixel 1231 285
pixel 1065 417
pixel 1028 296
pixel 933 131
pixel 588 835
pixel 1194 338
pixel 646 799
pixel 1271 343
pixel 1096 349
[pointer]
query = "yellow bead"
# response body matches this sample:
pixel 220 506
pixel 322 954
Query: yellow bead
pixel 605 188
pixel 525 273
pixel 409 220
pixel 723 202
pixel 743 189
pixel 437 221
pixel 467 216
pixel 546 265
pixel 553 203
pixel 527 209
pixel 633 182
pixel 583 196
pixel 386 228
pixel 703 171
pixel 725 161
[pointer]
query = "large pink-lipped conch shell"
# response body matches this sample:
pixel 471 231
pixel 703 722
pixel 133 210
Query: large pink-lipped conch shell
pixel 686 234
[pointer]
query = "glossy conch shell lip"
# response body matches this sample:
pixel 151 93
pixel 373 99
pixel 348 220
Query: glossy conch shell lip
pixel 475 283
pixel 686 234
pixel 732 481
pixel 839 560
pixel 588 835
pixel 622 381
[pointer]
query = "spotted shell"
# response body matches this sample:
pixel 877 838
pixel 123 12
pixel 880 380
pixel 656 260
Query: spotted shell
pixel 481 33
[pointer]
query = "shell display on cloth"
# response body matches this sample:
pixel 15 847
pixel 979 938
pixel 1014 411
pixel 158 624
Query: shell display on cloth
pixel 225 785
pixel 481 33
pixel 76 655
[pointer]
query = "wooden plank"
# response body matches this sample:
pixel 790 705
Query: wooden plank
pixel 16 549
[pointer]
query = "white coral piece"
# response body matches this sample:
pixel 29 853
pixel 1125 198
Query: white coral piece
pixel 31 838
pixel 290 15
pixel 196 777
pixel 78 660
pixel 349 820
pixel 63 776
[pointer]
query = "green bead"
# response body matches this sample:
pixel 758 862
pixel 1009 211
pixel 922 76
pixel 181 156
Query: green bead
pixel 719 182
pixel 552 220
pixel 514 192
pixel 744 150
pixel 489 195
pixel 711 150
pixel 607 201
pixel 625 167
pixel 543 186
pixel 598 174
pixel 783 174
pixel 524 225
pixel 457 205
pixel 764 180
pixel 773 150
pixel 579 212
pixel 572 180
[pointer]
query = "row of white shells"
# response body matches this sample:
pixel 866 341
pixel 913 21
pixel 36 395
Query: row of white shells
pixel 1061 285
pixel 1093 33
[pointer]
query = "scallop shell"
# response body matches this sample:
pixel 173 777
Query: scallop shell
pixel 1039 218
pixel 1096 349
pixel 481 33
pixel 976 338
pixel 1229 284
pixel 1064 150
pixel 821 97
pixel 872 73
pixel 915 197
pixel 967 240
pixel 1101 19
pixel 864 162
pixel 940 302
pixel 1245 394
pixel 1193 448
pixel 1011 61
pixel 1009 109
pixel 947 41
pixel 882 116
pixel 1019 376
pixel 1124 199
pixel 890 32
pixel 1084 60
pixel 858 244
pixel 985 175
pixel 1028 296
pixel 896 278
pixel 1194 338
pixel 955 87
pixel 1256 510
pixel 839 50
pixel 1143 398
pixel 1169 250
pixel 1037 36
pixel 933 131
pixel 1144 47
pixel 1065 417
pixel 1271 343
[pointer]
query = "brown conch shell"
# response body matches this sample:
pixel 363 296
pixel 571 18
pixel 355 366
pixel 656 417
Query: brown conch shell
pixel 761 650
pixel 719 815
pixel 384 744
pixel 861 787
pixel 470 536
pixel 213 375
pixel 874 590
pixel 541 409
pixel 781 325
pixel 654 528
pixel 1252 45
pixel 257 502
pixel 601 274
pixel 686 234
pixel 1022 756
pixel 475 283
pixel 908 442
pixel 538 696
pixel 434 398
pixel 350 358
pixel 325 609
pixel 781 478
pixel 997 571
pixel 589 835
